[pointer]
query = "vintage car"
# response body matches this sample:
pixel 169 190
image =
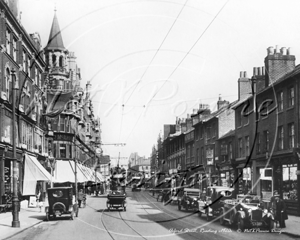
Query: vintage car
pixel 189 199
pixel 211 204
pixel 135 188
pixel 247 212
pixel 61 202
pixel 116 199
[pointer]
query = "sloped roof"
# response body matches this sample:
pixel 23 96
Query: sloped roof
pixel 231 133
pixel 55 40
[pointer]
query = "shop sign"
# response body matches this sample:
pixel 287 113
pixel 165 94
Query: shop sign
pixel 63 137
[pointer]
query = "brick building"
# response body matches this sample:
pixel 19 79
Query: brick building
pixel 268 138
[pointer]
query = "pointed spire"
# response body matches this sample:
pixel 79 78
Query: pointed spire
pixel 55 39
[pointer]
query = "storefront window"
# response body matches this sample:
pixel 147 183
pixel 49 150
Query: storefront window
pixel 289 182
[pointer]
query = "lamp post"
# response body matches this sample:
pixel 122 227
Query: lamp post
pixel 15 199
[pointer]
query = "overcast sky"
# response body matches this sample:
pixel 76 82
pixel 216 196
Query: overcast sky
pixel 150 61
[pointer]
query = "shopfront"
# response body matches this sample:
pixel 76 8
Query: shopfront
pixel 286 182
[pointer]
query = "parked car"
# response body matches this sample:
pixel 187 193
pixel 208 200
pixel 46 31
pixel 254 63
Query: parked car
pixel 189 199
pixel 246 212
pixel 211 205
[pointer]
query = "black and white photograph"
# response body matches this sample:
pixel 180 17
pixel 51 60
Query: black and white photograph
pixel 149 119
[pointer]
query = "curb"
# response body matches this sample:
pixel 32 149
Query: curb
pixel 291 234
pixel 24 229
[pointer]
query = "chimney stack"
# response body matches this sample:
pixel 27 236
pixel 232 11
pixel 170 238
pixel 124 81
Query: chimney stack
pixel 244 86
pixel 278 64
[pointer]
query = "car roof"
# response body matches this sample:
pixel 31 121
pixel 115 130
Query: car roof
pixel 191 189
pixel 221 188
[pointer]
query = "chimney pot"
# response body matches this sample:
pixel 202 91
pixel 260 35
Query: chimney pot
pixel 283 51
pixel 270 50
pixel 254 71
pixel 277 49
pixel 241 74
pixel 289 51
pixel 262 70
pixel 258 71
pixel 245 74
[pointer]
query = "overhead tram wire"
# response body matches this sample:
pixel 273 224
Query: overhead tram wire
pixel 182 61
pixel 188 52
pixel 157 50
pixel 150 64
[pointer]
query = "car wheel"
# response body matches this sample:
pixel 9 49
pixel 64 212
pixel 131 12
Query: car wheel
pixel 222 221
pixel 241 224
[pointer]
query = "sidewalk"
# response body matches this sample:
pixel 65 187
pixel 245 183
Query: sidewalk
pixel 292 227
pixel 28 217
pixel 292 224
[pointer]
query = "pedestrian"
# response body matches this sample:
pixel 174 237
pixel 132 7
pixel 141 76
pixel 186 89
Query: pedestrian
pixel 280 210
pixel 80 197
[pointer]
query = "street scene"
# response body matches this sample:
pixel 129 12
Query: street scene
pixel 149 119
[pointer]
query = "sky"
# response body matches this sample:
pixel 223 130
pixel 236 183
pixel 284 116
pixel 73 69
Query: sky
pixel 150 61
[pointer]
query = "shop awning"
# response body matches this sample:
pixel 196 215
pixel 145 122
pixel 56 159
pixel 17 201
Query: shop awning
pixel 33 172
pixel 65 172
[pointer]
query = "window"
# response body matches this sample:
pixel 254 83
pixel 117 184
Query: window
pixel 291 97
pixel 62 150
pixel 266 141
pixel 62 124
pixel 214 130
pixel 8 84
pixel 240 147
pixel 24 60
pixel 247 143
pixel 36 76
pixel 280 138
pixel 198 156
pixel 230 151
pixel 258 143
pixel 40 79
pixel 291 129
pixel 280 101
pixel 7 35
pixel 201 132
pixel 289 182
pixel 239 119
pixel 15 49
pixel 28 66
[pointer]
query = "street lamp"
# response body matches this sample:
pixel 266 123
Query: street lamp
pixel 15 199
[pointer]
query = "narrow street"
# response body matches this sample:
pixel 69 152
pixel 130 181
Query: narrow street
pixel 145 218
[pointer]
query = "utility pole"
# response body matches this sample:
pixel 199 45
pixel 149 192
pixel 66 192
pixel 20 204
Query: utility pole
pixel 15 199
